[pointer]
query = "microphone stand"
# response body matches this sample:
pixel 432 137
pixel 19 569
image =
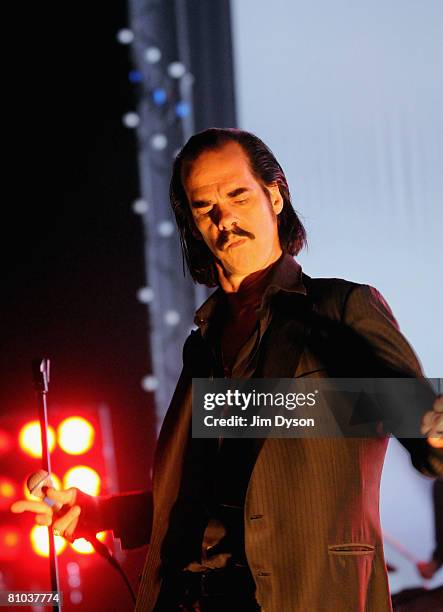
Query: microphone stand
pixel 40 368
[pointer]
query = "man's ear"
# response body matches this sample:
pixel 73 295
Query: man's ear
pixel 276 198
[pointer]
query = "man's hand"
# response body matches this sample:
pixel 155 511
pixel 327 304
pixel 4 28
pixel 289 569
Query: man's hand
pixel 64 521
pixel 432 424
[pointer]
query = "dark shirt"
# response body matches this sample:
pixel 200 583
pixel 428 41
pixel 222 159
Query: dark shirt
pixel 234 325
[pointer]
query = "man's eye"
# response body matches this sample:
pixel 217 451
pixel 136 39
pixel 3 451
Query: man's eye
pixel 241 201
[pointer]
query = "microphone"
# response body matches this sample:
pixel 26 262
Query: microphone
pixel 36 482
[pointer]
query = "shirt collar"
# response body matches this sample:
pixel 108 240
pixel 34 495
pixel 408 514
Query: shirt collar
pixel 285 276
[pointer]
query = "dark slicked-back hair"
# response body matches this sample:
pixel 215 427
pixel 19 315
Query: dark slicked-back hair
pixel 265 169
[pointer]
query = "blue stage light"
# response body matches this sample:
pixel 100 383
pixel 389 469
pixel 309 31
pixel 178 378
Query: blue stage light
pixel 159 96
pixel 135 76
pixel 182 109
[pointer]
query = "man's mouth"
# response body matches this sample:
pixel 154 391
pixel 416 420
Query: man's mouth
pixel 234 238
pixel 235 243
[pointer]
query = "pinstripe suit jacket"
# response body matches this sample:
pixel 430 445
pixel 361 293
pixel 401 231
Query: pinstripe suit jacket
pixel 312 528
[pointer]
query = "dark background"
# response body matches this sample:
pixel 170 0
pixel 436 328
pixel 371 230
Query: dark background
pixel 74 255
pixel 74 259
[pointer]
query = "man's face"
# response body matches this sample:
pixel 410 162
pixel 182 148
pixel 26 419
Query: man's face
pixel 233 214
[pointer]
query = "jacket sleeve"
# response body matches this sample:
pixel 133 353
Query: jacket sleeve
pixel 128 515
pixel 368 314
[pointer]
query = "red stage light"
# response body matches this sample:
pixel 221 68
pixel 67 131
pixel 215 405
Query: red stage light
pixel 84 547
pixel 5 442
pixel 83 477
pixel 40 541
pixel 75 435
pixel 8 492
pixel 30 440
pixel 9 542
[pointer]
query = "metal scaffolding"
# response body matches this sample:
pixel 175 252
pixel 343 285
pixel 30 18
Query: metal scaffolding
pixel 168 39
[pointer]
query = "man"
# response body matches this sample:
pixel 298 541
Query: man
pixel 277 524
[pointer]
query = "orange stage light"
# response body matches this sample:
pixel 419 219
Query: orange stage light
pixel 9 542
pixel 30 440
pixel 8 492
pixel 55 481
pixel 83 477
pixel 75 435
pixel 40 541
pixel 84 547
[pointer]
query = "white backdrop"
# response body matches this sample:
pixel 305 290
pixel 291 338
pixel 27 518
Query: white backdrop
pixel 349 96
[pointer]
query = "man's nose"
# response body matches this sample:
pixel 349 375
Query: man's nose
pixel 225 217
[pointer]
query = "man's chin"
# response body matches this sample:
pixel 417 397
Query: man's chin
pixel 239 268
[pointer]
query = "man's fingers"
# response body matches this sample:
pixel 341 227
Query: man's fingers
pixel 43 519
pixel 437 426
pixel 63 524
pixel 432 422
pixel 28 505
pixel 69 531
pixel 427 422
pixel 65 497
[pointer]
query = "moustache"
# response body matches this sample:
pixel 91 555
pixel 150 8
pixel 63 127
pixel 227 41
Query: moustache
pixel 225 236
